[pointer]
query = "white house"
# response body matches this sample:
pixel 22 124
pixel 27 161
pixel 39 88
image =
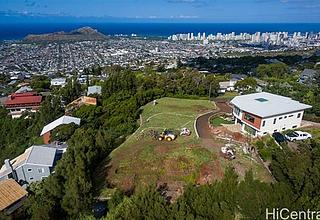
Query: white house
pixel 265 113
pixel 227 86
pixel 58 82
pixel 63 120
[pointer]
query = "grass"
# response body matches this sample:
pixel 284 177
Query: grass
pixel 170 113
pixel 228 95
pixel 142 160
pixel 218 121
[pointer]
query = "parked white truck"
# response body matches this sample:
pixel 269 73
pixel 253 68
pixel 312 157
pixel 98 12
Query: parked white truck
pixel 298 136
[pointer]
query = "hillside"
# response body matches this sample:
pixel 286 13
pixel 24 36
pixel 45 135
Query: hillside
pixel 143 160
pixel 81 34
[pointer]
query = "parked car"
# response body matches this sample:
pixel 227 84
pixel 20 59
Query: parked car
pixel 298 136
pixel 279 137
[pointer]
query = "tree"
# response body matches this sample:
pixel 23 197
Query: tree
pixel 247 85
pixel 71 91
pixel 40 83
pixel 277 70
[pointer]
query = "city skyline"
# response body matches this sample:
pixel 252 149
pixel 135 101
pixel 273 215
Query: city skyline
pixel 216 11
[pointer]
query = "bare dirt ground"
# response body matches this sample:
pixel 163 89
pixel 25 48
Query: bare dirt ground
pixel 213 138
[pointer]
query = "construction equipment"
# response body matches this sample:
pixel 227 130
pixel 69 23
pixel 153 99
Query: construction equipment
pixel 166 135
pixel 185 132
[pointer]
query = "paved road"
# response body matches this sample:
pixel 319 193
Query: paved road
pixel 202 124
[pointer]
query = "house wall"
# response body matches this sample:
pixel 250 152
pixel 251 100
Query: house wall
pixel 32 173
pixel 17 112
pixel 257 120
pixel 282 123
pixel 46 138
pixel 266 126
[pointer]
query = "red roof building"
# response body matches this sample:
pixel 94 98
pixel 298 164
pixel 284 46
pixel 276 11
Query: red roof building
pixel 17 103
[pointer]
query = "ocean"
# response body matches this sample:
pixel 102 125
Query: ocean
pixel 19 31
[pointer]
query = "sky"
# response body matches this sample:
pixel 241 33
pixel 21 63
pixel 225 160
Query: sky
pixel 214 11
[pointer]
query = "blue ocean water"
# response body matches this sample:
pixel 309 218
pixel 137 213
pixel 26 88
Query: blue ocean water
pixel 18 31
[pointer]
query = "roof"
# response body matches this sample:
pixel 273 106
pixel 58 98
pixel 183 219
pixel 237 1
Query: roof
pixel 16 162
pixel 227 84
pixel 10 192
pixel 94 89
pixel 23 98
pixel 58 80
pixel 60 121
pixel 24 89
pixel 265 104
pixel 308 73
pixel 40 155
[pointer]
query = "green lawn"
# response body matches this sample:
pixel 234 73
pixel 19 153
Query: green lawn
pixel 228 95
pixel 170 113
pixel 218 121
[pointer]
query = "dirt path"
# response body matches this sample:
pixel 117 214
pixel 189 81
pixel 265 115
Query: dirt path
pixel 212 171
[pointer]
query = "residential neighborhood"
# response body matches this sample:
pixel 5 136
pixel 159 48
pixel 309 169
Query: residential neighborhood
pixel 158 110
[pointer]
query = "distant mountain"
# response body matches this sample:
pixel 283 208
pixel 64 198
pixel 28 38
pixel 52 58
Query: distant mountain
pixel 81 34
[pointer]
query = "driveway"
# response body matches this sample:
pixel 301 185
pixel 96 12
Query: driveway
pixel 202 123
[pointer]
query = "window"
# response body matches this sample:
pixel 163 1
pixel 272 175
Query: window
pixel 285 117
pixel 290 116
pixel 294 126
pixel 280 118
pixel 236 111
pixel 263 123
pixel 274 121
pixel 41 170
pixel 29 169
pixel 31 178
pixel 264 133
pixel 299 115
pixel 275 131
pixel 283 128
pixel 249 118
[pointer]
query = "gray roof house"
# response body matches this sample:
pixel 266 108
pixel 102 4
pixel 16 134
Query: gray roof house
pixel 24 89
pixel 307 76
pixel 94 90
pixel 58 82
pixel 33 165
